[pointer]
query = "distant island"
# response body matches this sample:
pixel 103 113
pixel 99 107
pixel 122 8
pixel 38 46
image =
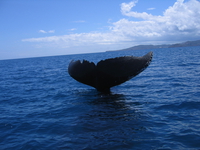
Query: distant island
pixel 143 47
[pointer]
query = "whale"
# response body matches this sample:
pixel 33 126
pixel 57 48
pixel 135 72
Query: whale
pixel 109 72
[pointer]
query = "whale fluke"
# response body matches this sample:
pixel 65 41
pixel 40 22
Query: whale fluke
pixel 110 72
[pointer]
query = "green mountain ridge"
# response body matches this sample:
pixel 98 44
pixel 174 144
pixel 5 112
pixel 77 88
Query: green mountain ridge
pixel 143 47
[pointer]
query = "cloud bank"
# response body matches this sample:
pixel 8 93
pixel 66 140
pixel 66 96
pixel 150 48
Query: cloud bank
pixel 179 22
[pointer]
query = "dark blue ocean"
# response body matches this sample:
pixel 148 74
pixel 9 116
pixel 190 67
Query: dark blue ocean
pixel 43 108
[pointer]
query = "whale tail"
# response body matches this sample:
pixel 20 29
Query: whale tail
pixel 110 72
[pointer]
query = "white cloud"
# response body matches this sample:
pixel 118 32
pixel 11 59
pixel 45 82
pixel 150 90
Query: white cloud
pixel 43 31
pixel 126 7
pixel 72 29
pixel 177 23
pixel 126 10
pixel 151 8
pixel 81 39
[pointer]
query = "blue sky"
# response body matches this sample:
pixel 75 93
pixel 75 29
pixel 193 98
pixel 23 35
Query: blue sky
pixel 33 28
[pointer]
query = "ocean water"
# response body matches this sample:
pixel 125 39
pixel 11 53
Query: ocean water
pixel 42 107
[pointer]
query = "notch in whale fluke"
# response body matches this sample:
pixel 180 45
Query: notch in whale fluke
pixel 110 72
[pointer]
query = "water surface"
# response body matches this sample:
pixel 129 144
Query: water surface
pixel 42 107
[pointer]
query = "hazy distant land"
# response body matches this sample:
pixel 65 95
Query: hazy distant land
pixel 142 47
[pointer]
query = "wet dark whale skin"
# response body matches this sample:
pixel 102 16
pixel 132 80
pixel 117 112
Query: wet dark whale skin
pixel 110 72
